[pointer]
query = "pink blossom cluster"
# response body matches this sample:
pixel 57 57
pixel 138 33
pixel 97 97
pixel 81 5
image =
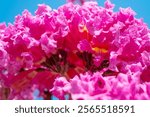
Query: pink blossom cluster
pixel 82 51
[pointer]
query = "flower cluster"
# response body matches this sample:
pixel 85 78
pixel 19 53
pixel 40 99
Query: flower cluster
pixel 82 51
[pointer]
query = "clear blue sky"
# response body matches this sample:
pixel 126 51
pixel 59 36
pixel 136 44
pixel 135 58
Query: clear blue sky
pixel 10 8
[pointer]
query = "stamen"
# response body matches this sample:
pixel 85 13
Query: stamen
pixel 100 50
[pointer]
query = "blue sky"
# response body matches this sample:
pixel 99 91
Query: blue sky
pixel 10 8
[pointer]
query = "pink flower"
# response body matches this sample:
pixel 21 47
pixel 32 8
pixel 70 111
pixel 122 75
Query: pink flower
pixel 42 9
pixel 27 60
pixel 49 45
pixel 82 51
pixel 89 85
pixel 4 57
pixel 61 88
pixel 109 5
pixel 145 56
pixel 145 76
